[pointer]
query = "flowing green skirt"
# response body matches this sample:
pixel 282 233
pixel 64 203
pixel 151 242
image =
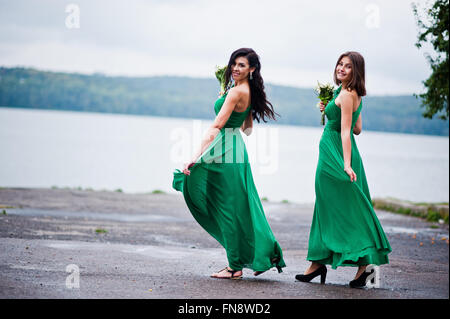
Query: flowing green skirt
pixel 345 230
pixel 222 197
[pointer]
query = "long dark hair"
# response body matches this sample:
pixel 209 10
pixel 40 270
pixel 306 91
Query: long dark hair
pixel 358 81
pixel 261 107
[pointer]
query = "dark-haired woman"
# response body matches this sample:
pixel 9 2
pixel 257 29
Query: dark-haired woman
pixel 217 182
pixel 345 230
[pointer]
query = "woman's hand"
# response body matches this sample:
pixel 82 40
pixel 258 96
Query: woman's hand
pixel 321 106
pixel 350 173
pixel 187 166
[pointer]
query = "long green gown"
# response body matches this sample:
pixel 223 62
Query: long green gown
pixel 222 197
pixel 345 230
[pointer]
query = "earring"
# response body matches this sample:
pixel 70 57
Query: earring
pixel 251 75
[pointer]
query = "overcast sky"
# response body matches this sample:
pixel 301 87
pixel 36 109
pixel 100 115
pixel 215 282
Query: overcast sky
pixel 298 41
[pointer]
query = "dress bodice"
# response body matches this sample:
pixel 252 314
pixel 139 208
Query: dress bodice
pixel 236 118
pixel 333 113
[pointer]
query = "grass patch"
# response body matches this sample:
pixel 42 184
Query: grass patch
pixel 158 191
pixel 265 199
pixel 427 204
pixel 404 211
pixel 432 212
pixel 101 231
pixel 433 216
pixel 285 201
pixel 119 190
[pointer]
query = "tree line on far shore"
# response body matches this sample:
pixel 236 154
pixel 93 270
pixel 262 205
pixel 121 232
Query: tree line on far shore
pixel 191 98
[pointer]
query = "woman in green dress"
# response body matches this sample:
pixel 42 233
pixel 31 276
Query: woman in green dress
pixel 217 183
pixel 345 230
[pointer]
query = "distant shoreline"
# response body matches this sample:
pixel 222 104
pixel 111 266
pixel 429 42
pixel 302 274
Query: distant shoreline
pixel 178 96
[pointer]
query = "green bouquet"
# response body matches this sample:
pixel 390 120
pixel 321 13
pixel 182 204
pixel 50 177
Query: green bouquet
pixel 325 94
pixel 220 75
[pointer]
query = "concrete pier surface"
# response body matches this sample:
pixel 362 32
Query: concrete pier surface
pixel 67 243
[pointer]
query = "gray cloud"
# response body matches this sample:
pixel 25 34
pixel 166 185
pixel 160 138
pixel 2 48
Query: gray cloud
pixel 298 41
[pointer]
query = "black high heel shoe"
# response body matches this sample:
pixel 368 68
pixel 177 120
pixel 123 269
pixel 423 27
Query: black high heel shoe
pixel 361 280
pixel 322 271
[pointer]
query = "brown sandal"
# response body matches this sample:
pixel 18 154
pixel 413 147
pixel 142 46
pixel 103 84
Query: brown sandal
pixel 232 272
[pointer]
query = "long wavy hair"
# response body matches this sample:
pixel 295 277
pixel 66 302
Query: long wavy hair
pixel 358 81
pixel 261 107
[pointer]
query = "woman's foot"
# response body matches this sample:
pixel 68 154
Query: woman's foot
pixel 275 262
pixel 228 273
pixel 360 277
pixel 312 268
pixel 361 270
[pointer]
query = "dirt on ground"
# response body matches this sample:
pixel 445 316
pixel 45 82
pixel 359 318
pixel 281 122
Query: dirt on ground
pixel 149 246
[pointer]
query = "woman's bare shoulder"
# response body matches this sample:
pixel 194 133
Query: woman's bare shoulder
pixel 234 93
pixel 350 93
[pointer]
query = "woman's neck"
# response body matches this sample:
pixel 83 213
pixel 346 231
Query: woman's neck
pixel 243 81
pixel 344 85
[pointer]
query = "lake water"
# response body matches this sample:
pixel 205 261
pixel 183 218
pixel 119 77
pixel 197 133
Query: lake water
pixel 43 148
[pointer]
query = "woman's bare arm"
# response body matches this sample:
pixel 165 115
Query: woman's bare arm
pixel 358 126
pixel 219 122
pixel 346 122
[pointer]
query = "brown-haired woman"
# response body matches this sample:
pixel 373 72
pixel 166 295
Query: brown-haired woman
pixel 345 230
pixel 217 183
